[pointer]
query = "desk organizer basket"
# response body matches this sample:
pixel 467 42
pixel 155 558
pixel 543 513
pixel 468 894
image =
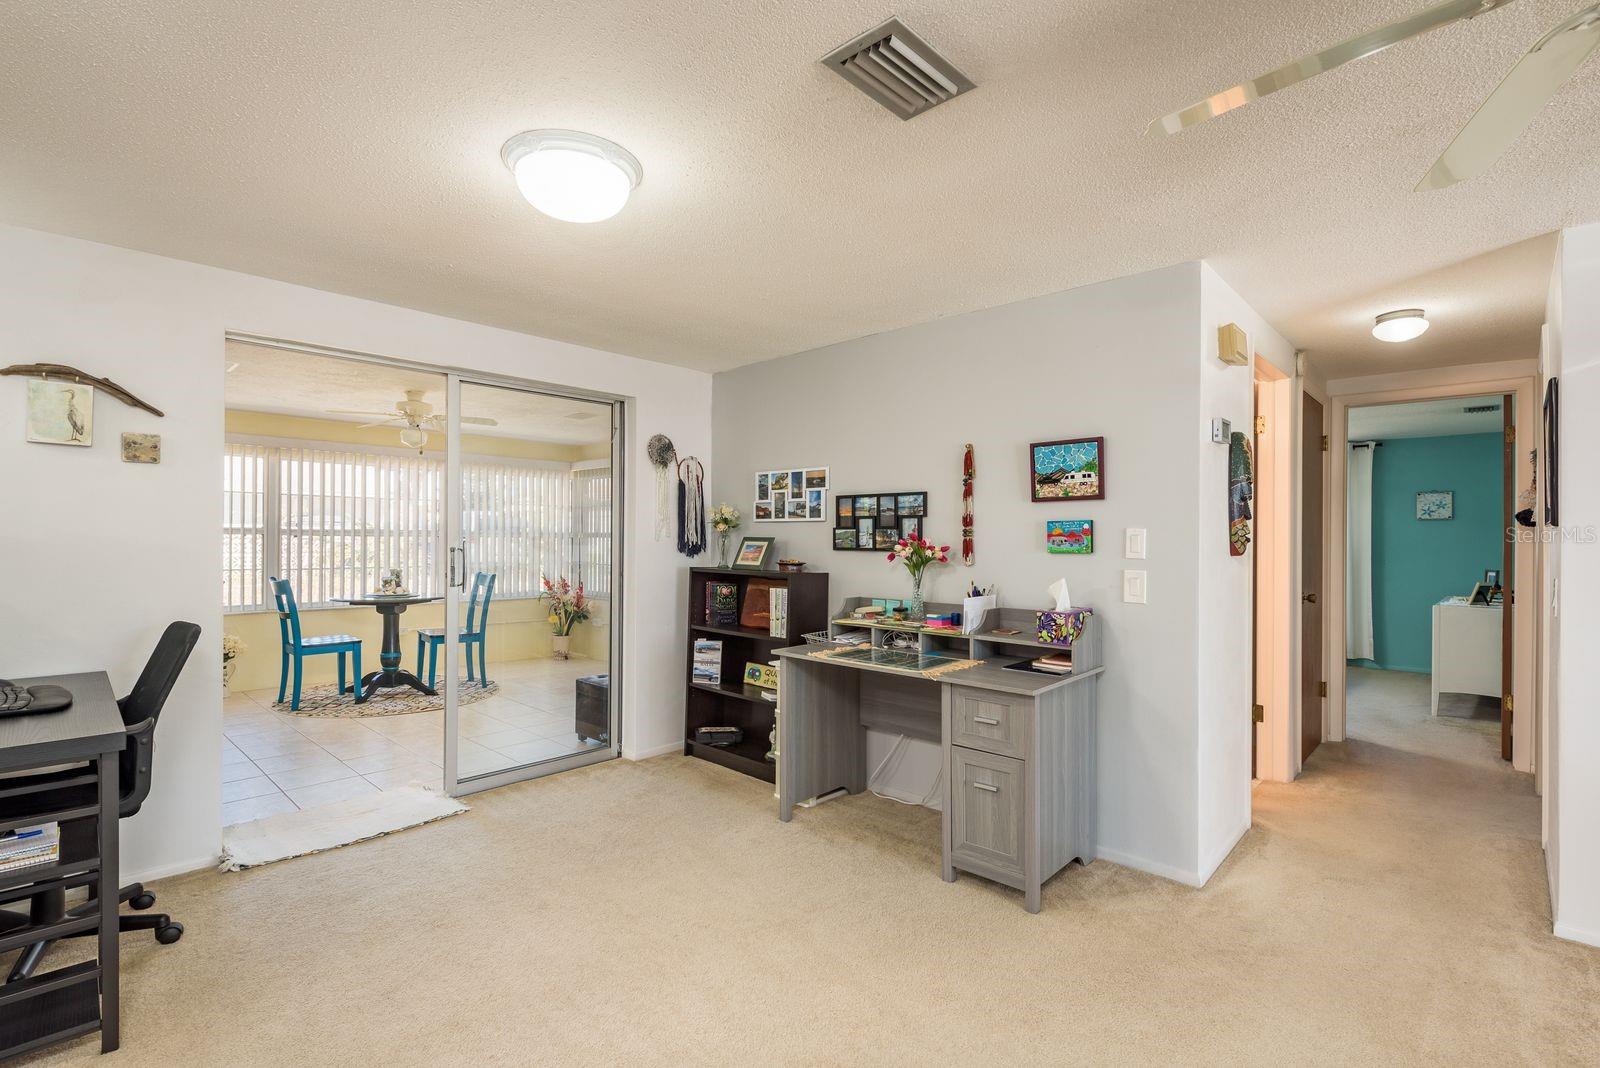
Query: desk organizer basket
pixel 1061 628
pixel 817 637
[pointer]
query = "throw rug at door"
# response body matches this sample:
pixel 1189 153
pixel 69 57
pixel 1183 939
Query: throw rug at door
pixel 326 701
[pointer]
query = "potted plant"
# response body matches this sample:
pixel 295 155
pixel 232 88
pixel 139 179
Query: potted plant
pixel 231 648
pixel 917 554
pixel 724 520
pixel 568 608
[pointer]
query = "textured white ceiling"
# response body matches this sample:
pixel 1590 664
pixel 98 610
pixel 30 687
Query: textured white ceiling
pixel 1426 419
pixel 285 382
pixel 354 147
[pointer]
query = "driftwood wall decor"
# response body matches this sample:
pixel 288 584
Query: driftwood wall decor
pixel 63 373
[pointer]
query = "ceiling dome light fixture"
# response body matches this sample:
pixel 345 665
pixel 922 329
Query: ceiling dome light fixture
pixel 1402 325
pixel 572 176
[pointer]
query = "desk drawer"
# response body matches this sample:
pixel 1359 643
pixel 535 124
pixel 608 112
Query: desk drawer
pixel 991 721
pixel 986 800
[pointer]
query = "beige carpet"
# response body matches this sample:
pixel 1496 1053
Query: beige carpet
pixel 1388 908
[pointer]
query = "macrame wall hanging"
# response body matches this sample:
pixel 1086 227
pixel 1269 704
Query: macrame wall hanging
pixel 691 507
pixel 663 457
pixel 967 471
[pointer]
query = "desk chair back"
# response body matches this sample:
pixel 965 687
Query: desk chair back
pixel 288 613
pixel 478 611
pixel 142 707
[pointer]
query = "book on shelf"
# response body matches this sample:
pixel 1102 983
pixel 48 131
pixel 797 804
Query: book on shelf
pixel 778 617
pixel 1059 663
pixel 756 613
pixel 722 604
pixel 706 667
pixel 27 846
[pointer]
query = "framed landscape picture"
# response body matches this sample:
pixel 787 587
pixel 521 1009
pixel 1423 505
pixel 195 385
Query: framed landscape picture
pixel 874 521
pixel 1072 469
pixel 1070 536
pixel 794 495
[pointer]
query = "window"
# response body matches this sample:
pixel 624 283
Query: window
pixel 333 521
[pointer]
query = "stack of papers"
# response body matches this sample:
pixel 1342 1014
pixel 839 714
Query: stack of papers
pixel 28 846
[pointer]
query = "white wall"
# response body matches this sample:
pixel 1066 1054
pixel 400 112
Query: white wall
pixel 108 553
pixel 1122 359
pixel 1573 565
pixel 1226 582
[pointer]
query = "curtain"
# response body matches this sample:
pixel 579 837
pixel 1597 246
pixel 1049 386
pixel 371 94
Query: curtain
pixel 1358 554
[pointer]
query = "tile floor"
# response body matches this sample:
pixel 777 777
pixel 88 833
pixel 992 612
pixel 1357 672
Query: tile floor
pixel 278 762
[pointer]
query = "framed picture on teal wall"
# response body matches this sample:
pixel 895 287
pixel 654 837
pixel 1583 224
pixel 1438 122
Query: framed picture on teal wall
pixel 1436 504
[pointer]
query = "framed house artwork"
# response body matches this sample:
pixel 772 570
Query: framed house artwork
pixel 1436 504
pixel 872 522
pixel 1070 536
pixel 60 413
pixel 1072 469
pixel 794 495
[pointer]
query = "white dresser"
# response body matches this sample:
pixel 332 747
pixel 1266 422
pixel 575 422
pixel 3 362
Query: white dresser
pixel 1466 648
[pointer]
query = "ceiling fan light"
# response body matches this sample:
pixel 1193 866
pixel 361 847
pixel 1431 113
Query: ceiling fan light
pixel 570 175
pixel 1403 325
pixel 413 437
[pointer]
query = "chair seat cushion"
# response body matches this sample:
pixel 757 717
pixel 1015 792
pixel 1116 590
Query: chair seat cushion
pixel 331 639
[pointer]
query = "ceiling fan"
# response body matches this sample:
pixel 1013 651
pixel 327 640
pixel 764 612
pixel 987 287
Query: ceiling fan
pixel 1504 115
pixel 415 418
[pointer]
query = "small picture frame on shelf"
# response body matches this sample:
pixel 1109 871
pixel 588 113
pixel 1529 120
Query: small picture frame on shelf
pixel 752 554
pixel 1491 578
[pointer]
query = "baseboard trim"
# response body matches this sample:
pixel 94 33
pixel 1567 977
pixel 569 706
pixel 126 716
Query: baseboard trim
pixel 167 871
pixel 1210 868
pixel 1149 867
pixel 660 750
pixel 1574 933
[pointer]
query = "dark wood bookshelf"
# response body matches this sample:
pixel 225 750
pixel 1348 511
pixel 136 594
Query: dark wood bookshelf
pixel 732 703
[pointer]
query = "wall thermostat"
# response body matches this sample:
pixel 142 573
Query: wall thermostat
pixel 1220 430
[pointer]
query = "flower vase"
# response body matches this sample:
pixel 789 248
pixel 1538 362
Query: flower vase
pixel 724 540
pixel 562 644
pixel 919 608
pixel 228 668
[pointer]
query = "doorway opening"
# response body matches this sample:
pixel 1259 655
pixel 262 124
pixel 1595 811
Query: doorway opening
pixel 1429 568
pixel 396 541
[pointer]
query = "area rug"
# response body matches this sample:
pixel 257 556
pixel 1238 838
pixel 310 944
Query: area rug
pixel 341 823
pixel 326 700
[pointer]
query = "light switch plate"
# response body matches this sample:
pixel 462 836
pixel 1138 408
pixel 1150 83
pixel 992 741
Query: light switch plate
pixel 1133 544
pixel 1133 588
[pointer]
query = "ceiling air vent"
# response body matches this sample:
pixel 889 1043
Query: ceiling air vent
pixel 896 68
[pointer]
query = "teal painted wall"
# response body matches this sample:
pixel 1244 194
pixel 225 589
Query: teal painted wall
pixel 1417 562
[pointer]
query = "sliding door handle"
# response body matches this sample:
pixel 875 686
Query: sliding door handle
pixel 457 574
pixel 1309 598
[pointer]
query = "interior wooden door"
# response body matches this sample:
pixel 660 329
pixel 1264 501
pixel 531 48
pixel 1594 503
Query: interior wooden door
pixel 1312 674
pixel 1507 560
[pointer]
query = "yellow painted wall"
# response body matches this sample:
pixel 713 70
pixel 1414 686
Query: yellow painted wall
pixel 518 627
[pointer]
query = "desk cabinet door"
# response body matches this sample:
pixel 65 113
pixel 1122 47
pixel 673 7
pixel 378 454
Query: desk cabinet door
pixel 986 808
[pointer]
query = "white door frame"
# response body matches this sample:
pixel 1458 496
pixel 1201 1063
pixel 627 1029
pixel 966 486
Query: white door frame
pixel 1442 383
pixel 1276 597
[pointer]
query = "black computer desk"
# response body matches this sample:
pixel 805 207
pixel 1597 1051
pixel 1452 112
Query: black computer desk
pixel 67 1002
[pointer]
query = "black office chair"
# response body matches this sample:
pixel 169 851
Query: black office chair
pixel 140 710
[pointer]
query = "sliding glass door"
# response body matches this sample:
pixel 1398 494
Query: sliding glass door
pixel 532 607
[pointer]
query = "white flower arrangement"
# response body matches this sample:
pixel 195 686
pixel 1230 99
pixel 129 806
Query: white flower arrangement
pixel 724 518
pixel 232 646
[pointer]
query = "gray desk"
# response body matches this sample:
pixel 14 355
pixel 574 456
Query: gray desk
pixel 67 1002
pixel 1019 747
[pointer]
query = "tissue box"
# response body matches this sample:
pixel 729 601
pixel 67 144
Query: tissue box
pixel 1061 628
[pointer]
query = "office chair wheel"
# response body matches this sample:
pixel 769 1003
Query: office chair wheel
pixel 169 934
pixel 143 901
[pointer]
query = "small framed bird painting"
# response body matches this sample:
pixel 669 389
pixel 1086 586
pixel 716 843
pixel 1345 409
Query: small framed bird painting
pixel 60 413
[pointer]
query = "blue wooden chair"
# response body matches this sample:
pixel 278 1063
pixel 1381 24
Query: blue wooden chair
pixel 471 635
pixel 297 647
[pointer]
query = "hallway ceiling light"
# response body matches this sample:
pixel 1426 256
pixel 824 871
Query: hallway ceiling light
pixel 572 176
pixel 1403 325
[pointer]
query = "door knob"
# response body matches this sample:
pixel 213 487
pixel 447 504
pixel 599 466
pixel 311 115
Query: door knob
pixel 1309 598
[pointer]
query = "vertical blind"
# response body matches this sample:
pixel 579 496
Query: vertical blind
pixel 334 521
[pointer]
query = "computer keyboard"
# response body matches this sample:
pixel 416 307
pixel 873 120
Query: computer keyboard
pixel 14 698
